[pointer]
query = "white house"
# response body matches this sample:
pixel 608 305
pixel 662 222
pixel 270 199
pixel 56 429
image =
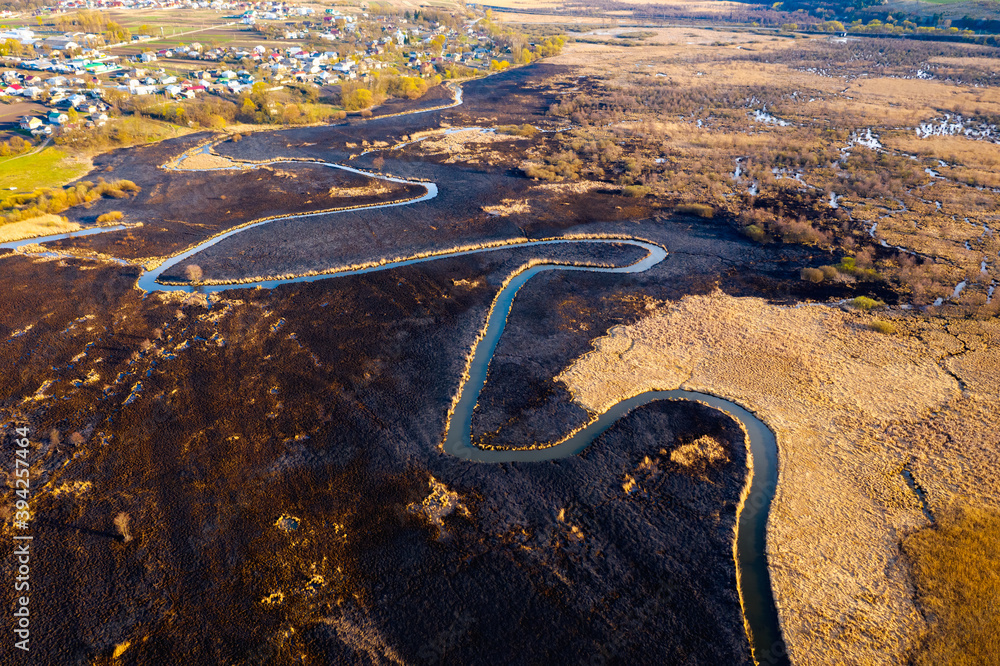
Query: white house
pixel 60 43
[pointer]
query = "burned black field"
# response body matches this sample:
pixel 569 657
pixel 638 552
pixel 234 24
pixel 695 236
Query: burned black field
pixel 257 478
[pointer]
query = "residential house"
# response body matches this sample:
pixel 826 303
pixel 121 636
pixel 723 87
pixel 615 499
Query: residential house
pixel 30 122
pixel 60 44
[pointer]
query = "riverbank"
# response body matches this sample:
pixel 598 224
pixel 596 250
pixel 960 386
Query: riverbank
pixel 831 388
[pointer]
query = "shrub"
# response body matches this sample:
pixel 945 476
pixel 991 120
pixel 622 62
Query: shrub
pixel 849 266
pixel 882 326
pixel 113 216
pixel 829 272
pixel 864 303
pixel 811 275
pixel 635 191
pixel 755 233
pixel 799 231
pixel 355 100
pixel 701 210
pixel 522 130
pixel 53 200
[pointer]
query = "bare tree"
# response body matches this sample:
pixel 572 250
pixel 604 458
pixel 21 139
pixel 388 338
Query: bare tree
pixel 192 272
pixel 122 521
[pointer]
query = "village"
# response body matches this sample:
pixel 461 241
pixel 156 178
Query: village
pixel 77 79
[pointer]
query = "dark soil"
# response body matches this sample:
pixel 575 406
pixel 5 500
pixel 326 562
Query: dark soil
pixel 180 208
pixel 327 401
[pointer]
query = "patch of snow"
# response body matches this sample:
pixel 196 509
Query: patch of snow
pixel 957 125
pixel 762 116
pixel 868 140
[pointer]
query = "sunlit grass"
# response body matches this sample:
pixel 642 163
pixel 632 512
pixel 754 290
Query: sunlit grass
pixel 45 225
pixel 49 168
pixel 956 564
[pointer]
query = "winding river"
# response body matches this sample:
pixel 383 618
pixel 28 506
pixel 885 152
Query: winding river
pixel 754 584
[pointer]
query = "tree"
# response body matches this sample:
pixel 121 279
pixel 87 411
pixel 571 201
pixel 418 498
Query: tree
pixel 122 521
pixel 114 33
pixel 437 44
pixel 193 272
pixel 357 99
pixel 11 47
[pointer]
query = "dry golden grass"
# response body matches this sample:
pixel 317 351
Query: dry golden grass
pixel 509 18
pixel 971 61
pixel 509 207
pixel 953 149
pixel 831 388
pixel 44 225
pixel 472 146
pixel 927 96
pixel 706 6
pixel 956 564
pixel 703 451
pixel 883 186
pixel 377 187
pixel 206 161
pixel 674 46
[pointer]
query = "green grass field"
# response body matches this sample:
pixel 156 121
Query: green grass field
pixel 49 168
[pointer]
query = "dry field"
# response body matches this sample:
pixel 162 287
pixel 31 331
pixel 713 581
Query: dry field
pixel 850 407
pixel 45 225
pixel 706 6
pixel 875 149
pixel 831 142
